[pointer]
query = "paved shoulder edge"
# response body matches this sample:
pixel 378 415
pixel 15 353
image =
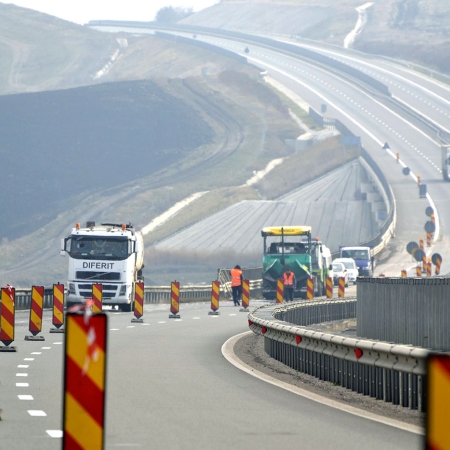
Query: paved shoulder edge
pixel 231 357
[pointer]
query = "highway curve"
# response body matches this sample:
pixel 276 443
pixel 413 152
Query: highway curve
pixel 168 386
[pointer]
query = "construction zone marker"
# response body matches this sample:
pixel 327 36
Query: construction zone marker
pixel 404 273
pixel 310 288
pixel 175 302
pixel 245 295
pixel 280 291
pixel 84 381
pixel 58 308
pixel 37 303
pixel 97 298
pixel 215 292
pixel 341 287
pixel 7 319
pixel 329 285
pixel 418 271
pixel 138 303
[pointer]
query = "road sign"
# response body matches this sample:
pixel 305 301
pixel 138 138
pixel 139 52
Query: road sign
pixel 411 246
pixel 418 255
pixel 406 171
pixel 429 211
pixel 435 257
pixel 430 227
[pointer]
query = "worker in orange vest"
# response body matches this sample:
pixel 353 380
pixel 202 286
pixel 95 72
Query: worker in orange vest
pixel 236 284
pixel 289 284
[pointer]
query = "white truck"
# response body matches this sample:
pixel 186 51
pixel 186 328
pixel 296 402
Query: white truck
pixel 110 254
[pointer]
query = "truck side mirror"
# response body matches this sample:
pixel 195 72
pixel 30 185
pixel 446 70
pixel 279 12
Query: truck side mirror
pixel 62 251
pixel 137 247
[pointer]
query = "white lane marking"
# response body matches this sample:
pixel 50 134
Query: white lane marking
pixel 130 326
pixel 22 385
pixel 23 366
pixel 364 129
pixel 214 316
pixel 228 353
pixel 36 353
pixel 113 329
pixel 46 348
pixel 178 320
pixel 25 397
pixel 57 343
pixel 21 374
pixel 55 433
pixel 145 324
pixel 36 413
pixel 28 359
pixel 196 318
pixel 232 314
pixel 162 321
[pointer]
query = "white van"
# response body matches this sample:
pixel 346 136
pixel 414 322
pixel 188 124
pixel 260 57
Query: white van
pixel 351 267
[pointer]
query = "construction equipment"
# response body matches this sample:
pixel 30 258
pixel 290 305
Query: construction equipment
pixel 292 246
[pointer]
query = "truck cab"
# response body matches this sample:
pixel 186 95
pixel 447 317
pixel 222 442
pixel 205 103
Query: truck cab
pixel 110 254
pixel 363 257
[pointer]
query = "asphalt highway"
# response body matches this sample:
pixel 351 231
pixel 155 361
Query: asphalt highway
pixel 169 387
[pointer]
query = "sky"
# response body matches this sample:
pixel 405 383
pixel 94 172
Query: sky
pixel 82 11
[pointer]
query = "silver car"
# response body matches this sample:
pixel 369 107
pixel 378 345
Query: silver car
pixel 339 271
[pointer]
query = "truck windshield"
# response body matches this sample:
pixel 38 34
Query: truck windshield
pixel 90 247
pixel 356 254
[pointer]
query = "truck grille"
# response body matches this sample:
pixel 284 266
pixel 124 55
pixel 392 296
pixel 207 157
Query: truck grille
pixel 86 275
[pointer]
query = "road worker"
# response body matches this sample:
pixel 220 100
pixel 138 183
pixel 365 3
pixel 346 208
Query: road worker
pixel 289 284
pixel 236 284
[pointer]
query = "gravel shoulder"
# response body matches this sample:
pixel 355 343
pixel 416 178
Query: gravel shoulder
pixel 250 350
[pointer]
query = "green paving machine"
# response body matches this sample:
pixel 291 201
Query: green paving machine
pixel 292 246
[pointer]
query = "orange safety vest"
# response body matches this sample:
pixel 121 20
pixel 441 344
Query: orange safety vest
pixel 288 279
pixel 235 277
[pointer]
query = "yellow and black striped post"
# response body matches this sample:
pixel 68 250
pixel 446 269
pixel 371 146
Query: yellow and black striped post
pixel 403 273
pixel 421 243
pixel 428 239
pixel 215 292
pixel 329 285
pixel 245 295
pixel 437 269
pixel 418 271
pixel 280 291
pixel 84 382
pixel 310 288
pixel 58 309
pixel 429 268
pixel 138 303
pixel 37 305
pixel 341 287
pixel 7 319
pixel 97 298
pixel 175 300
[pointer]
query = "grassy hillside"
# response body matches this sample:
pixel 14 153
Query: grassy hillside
pixel 413 30
pixel 40 52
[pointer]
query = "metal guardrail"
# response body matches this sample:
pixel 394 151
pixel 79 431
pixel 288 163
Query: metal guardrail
pixel 385 371
pixel 152 294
